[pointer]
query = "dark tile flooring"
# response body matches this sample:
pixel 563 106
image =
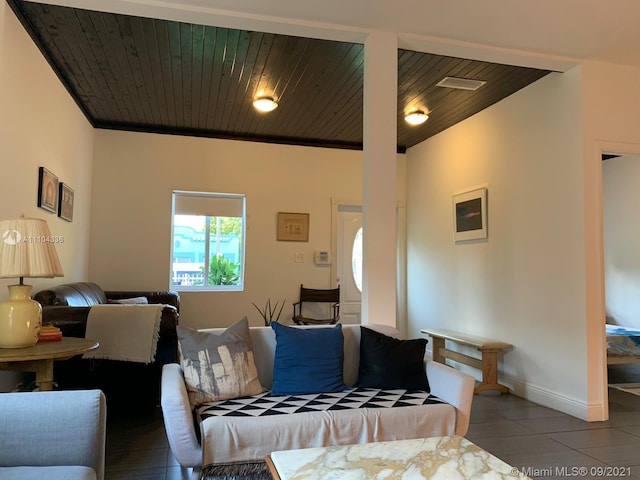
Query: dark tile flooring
pixel 533 438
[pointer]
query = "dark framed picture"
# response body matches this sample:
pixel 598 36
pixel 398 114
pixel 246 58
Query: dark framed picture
pixel 47 190
pixel 293 227
pixel 65 202
pixel 470 215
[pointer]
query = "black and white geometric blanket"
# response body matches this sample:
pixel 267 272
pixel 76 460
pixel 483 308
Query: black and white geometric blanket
pixel 267 404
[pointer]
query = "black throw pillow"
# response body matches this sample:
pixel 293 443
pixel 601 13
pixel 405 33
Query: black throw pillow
pixel 390 363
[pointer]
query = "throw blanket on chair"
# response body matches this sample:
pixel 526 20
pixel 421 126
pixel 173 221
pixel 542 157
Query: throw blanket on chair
pixel 125 332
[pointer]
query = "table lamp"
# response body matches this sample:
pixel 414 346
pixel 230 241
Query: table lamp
pixel 27 249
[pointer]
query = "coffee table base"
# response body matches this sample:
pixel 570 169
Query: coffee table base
pixel 272 468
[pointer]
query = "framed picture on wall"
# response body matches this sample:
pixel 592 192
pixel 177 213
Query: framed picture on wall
pixel 293 227
pixel 470 215
pixel 65 202
pixel 47 190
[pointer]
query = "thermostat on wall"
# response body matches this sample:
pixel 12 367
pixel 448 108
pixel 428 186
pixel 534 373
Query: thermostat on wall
pixel 322 257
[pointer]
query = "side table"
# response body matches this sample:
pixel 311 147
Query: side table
pixel 40 357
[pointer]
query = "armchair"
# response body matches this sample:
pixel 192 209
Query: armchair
pixel 54 435
pixel 67 307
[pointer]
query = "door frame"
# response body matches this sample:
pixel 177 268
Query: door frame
pixel 596 286
pixel 401 281
pixel 336 203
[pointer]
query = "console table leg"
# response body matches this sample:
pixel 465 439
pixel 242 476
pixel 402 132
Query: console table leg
pixel 490 373
pixel 438 346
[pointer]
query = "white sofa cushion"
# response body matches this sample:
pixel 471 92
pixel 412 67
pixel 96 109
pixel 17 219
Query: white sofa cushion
pixel 231 438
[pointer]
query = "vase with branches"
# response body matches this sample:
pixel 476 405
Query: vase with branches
pixel 270 312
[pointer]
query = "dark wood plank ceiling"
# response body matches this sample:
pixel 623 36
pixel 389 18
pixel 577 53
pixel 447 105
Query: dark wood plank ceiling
pixel 144 74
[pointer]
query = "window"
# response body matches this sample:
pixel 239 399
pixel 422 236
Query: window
pixel 356 260
pixel 207 241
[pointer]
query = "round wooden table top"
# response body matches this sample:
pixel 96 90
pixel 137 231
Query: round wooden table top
pixel 66 348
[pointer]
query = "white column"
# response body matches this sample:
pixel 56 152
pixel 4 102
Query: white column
pixel 379 195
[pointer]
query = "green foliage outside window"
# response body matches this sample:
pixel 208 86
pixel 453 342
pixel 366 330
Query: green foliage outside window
pixel 227 225
pixel 223 271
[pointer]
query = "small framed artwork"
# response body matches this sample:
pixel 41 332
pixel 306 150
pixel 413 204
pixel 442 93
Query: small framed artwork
pixel 47 190
pixel 470 215
pixel 65 202
pixel 293 227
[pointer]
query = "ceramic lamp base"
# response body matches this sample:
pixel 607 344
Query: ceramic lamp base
pixel 20 318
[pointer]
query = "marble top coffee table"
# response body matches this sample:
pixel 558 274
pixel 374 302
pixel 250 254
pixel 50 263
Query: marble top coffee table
pixel 424 458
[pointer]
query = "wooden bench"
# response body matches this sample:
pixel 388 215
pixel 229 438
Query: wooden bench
pixel 489 349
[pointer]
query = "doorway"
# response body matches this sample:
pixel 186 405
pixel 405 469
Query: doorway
pixel 349 262
pixel 620 178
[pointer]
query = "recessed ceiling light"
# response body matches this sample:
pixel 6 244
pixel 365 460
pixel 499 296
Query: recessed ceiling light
pixel 417 117
pixel 265 104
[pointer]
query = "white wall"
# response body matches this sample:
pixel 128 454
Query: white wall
pixel 621 196
pixel 40 125
pixel 611 104
pixel 135 173
pixel 526 283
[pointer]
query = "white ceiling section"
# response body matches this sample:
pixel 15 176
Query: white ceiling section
pixel 548 34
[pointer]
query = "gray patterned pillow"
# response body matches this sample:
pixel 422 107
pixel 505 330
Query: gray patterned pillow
pixel 218 367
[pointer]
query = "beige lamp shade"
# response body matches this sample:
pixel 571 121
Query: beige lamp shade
pixel 27 249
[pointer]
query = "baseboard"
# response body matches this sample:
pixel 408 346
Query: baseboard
pixel 545 397
pixel 562 403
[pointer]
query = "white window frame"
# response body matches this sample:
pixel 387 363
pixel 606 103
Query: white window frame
pixel 243 241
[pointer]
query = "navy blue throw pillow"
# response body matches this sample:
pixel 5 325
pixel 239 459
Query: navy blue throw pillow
pixel 308 360
pixel 390 363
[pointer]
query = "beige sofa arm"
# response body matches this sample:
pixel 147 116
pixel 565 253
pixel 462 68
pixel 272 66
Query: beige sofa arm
pixel 178 417
pixel 455 388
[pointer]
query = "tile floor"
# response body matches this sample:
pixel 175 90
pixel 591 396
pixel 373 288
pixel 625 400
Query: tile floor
pixel 533 438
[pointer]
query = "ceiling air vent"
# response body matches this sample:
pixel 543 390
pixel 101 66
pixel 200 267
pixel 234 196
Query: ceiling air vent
pixel 460 83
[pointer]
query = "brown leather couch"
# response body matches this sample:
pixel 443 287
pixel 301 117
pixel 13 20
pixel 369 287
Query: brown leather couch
pixel 67 307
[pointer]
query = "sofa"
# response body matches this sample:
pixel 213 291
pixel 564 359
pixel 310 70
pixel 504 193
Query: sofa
pixel 67 307
pixel 199 439
pixel 58 435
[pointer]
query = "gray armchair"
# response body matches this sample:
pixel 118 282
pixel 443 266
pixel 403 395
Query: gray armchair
pixel 53 435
